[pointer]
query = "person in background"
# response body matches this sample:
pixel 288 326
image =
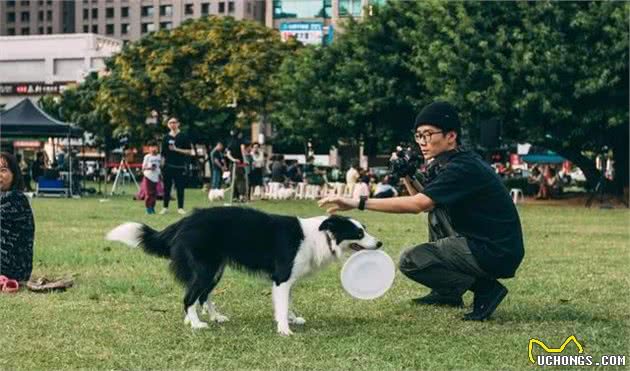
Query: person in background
pixel 384 189
pixel 258 164
pixel 362 189
pixel 151 172
pixel 352 175
pixel 294 173
pixel 335 174
pixel 176 151
pixel 17 225
pixel 236 154
pixel 25 171
pixel 278 170
pixel 218 165
pixel 38 166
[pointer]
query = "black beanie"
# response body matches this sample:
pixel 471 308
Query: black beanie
pixel 439 114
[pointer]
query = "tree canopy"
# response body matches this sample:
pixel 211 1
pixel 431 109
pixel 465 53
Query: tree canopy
pixel 212 73
pixel 555 74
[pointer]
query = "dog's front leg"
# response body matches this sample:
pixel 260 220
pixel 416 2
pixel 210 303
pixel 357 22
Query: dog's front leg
pixel 280 295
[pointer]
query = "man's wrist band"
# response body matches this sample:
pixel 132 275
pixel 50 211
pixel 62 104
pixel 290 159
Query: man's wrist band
pixel 362 201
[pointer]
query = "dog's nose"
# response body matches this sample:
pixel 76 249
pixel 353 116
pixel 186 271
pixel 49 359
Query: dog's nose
pixel 379 244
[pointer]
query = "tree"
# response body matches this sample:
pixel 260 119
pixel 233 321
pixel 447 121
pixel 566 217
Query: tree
pixel 78 106
pixel 212 72
pixel 355 89
pixel 555 73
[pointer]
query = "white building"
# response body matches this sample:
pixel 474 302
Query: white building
pixel 32 66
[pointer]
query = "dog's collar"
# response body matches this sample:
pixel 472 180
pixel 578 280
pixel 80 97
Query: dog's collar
pixel 329 243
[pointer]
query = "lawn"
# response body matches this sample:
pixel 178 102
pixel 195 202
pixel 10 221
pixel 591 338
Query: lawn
pixel 125 310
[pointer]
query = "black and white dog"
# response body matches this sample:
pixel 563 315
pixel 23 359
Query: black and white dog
pixel 283 247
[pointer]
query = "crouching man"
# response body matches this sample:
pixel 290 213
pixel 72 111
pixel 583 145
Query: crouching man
pixel 474 228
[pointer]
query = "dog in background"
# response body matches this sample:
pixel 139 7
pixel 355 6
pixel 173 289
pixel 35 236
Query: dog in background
pixel 284 248
pixel 216 195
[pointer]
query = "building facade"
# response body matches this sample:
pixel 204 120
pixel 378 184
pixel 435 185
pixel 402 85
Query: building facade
pixel 32 66
pixel 127 20
pixel 36 17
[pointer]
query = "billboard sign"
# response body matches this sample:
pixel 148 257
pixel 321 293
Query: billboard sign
pixel 310 33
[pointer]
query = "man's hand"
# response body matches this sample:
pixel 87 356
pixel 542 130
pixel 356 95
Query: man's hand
pixel 336 203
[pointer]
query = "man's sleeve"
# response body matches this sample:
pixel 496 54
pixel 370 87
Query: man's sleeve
pixel 453 184
pixel 164 147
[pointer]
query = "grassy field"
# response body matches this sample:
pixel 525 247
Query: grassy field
pixel 125 309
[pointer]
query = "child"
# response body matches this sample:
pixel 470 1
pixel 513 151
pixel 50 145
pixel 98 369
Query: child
pixel 17 226
pixel 151 172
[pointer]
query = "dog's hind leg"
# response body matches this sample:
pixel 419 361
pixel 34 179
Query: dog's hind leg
pixel 295 320
pixel 201 281
pixel 281 295
pixel 207 306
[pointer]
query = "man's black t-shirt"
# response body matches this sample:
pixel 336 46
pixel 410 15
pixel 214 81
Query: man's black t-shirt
pixel 481 210
pixel 235 148
pixel 172 158
pixel 216 156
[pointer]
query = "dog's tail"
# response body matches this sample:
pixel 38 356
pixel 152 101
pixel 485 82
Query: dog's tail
pixel 141 235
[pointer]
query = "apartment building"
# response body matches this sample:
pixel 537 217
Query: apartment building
pixel 36 17
pixel 129 20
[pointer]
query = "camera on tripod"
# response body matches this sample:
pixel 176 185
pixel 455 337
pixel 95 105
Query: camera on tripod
pixel 123 141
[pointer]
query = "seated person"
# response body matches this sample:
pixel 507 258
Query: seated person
pixel 553 183
pixel 17 226
pixel 384 189
pixel 362 188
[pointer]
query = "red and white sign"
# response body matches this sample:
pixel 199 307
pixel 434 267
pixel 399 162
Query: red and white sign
pixel 26 144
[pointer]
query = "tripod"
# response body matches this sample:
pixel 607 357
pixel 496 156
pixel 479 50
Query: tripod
pixel 123 166
pixel 601 192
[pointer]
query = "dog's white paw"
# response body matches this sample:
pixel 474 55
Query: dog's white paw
pixel 284 330
pixel 195 325
pixel 219 318
pixel 297 321
pixel 198 325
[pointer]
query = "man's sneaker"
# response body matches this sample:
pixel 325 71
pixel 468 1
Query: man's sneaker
pixel 434 298
pixel 164 211
pixel 150 210
pixel 181 211
pixel 486 302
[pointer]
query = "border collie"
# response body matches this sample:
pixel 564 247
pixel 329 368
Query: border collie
pixel 284 248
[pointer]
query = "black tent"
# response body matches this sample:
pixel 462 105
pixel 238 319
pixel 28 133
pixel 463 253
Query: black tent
pixel 26 120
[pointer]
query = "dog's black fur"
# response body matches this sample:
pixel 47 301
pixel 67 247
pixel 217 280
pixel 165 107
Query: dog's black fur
pixel 201 244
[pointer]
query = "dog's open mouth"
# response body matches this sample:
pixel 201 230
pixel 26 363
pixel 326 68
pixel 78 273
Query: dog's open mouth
pixel 356 247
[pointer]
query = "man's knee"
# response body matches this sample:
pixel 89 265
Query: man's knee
pixel 415 259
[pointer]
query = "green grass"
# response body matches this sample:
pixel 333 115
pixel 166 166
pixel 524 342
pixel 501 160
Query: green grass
pixel 125 309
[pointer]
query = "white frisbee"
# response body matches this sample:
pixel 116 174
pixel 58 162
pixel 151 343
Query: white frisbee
pixel 368 274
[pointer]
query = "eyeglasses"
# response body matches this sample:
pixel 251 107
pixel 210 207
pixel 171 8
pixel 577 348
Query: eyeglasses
pixel 425 136
pixel 173 122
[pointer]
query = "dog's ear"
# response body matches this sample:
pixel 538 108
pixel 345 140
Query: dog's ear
pixel 329 223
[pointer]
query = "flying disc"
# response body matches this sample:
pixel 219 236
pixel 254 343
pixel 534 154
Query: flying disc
pixel 368 274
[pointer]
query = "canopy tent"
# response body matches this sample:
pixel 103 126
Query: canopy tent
pixel 26 120
pixel 544 158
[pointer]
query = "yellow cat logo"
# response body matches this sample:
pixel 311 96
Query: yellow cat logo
pixel 553 350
